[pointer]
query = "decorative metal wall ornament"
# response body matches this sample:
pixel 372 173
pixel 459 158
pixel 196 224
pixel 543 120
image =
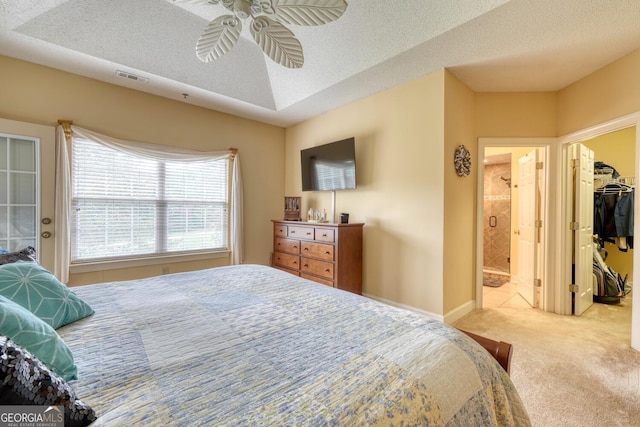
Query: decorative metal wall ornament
pixel 462 161
pixel 267 29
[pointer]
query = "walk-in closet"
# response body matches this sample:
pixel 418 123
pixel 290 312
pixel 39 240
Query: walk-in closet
pixel 614 194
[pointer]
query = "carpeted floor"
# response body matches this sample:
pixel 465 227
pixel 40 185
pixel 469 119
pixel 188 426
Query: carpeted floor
pixel 569 371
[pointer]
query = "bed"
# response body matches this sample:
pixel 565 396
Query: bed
pixel 251 345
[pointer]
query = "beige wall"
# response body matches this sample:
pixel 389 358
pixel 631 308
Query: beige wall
pixel 612 92
pixel 400 197
pixel 518 115
pixel 36 94
pixel 459 197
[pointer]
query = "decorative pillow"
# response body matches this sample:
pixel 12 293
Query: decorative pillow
pixel 33 287
pixel 27 254
pixel 24 380
pixel 27 330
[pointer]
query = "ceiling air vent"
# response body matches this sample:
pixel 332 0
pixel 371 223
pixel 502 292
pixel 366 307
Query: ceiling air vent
pixel 131 77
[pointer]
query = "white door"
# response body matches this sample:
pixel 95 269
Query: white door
pixel 583 228
pixel 21 222
pixel 527 221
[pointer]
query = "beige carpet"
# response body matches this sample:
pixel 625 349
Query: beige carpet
pixel 569 371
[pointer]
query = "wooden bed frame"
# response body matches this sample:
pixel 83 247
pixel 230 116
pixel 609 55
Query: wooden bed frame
pixel 500 350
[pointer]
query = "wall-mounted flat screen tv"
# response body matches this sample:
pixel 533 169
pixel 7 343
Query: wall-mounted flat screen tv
pixel 329 167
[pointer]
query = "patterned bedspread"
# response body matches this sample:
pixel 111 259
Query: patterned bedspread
pixel 250 345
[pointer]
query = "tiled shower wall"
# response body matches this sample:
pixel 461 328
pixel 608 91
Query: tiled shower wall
pixel 497 216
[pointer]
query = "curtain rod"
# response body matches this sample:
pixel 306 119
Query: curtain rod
pixel 66 126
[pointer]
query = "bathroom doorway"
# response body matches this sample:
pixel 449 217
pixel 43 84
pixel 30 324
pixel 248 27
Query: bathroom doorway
pixel 510 260
pixel 497 220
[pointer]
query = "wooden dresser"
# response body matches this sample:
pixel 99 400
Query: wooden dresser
pixel 326 253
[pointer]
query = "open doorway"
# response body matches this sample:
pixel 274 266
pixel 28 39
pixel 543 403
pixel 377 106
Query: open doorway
pixel 499 288
pixel 606 273
pixel 632 123
pixel 614 179
pixel 496 268
pixel 503 280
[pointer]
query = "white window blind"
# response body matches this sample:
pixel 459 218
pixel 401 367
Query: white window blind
pixel 126 206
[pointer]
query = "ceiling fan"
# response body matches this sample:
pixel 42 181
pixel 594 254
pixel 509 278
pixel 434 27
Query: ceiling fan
pixel 267 26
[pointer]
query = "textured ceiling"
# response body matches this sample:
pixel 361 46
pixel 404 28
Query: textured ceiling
pixel 491 45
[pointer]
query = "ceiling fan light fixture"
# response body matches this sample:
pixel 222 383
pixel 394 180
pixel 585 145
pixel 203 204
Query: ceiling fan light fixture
pixel 276 41
pixel 242 8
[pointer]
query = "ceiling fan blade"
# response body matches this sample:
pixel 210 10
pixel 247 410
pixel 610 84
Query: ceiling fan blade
pixel 197 1
pixel 278 42
pixel 226 3
pixel 308 12
pixel 218 38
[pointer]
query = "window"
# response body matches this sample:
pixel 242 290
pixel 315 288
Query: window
pixel 18 192
pixel 124 205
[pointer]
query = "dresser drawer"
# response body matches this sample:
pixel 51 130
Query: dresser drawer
pixel 317 250
pixel 294 272
pixel 286 260
pixel 287 245
pixel 318 268
pixel 325 235
pixel 300 232
pixel 280 230
pixel 317 279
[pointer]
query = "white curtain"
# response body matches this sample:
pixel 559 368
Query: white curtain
pixel 237 247
pixel 62 235
pixel 152 151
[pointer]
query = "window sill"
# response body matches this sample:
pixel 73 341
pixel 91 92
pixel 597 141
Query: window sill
pixel 86 267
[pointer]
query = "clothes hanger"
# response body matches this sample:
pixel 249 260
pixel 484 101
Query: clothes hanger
pixel 615 188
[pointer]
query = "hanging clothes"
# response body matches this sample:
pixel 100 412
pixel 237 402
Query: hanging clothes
pixel 613 215
pixel 600 166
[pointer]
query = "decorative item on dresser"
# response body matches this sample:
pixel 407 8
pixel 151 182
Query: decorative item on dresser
pixel 292 208
pixel 326 253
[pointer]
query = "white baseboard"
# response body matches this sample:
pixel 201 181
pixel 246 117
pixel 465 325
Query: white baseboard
pixel 406 307
pixel 459 312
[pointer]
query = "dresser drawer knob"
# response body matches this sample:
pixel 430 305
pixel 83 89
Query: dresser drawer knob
pixel 308 234
pixel 293 231
pixel 295 262
pixel 327 270
pixel 327 253
pixel 306 265
pixel 306 249
pixel 295 246
pixel 324 235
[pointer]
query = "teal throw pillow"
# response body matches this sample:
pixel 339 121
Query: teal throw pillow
pixel 27 330
pixel 33 287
